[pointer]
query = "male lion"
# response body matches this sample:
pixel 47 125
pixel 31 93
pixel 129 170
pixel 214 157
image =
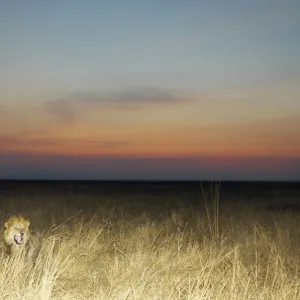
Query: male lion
pixel 18 236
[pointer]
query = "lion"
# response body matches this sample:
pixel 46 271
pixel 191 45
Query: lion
pixel 18 236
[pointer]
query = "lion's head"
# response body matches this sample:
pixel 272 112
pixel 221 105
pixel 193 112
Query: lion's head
pixel 17 232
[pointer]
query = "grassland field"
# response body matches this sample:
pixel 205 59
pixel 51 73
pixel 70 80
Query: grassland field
pixel 155 246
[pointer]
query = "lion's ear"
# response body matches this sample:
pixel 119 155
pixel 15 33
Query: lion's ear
pixel 7 225
pixel 27 223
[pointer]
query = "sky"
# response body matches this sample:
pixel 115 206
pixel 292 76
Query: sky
pixel 161 90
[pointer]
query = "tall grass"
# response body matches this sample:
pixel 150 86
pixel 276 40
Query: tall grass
pixel 211 199
pixel 109 251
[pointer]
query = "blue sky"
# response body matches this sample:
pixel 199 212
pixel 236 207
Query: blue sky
pixel 95 71
pixel 58 45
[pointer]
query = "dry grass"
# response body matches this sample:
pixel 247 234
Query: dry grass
pixel 107 252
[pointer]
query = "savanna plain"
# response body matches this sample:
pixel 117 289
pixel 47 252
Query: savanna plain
pixel 155 241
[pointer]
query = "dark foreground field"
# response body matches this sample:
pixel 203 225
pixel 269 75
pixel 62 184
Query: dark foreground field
pixel 163 240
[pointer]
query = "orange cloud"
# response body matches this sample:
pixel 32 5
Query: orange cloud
pixel 242 123
pixel 277 138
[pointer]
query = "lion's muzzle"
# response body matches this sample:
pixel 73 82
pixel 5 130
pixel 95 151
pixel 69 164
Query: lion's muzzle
pixel 19 238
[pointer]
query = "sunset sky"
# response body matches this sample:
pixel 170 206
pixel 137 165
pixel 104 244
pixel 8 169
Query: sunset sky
pixel 150 89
